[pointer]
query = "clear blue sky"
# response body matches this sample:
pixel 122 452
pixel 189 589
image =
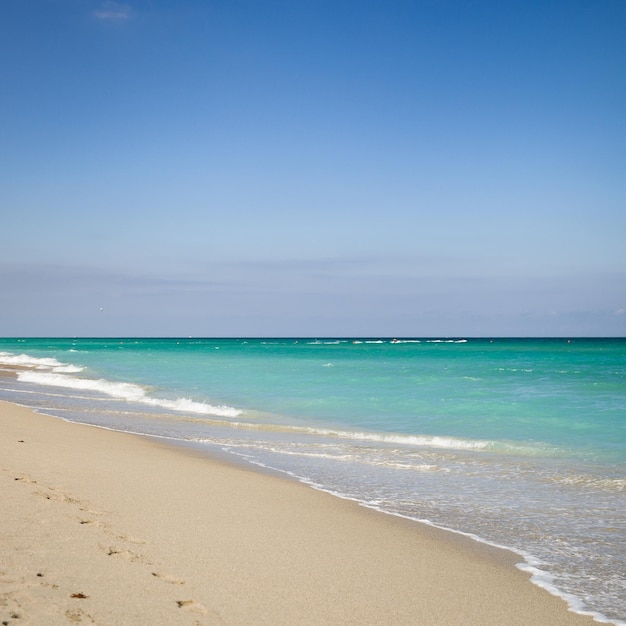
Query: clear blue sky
pixel 313 167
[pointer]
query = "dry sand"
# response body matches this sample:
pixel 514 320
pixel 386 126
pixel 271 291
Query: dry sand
pixel 100 527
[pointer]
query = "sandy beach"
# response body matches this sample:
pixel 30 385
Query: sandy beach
pixel 101 527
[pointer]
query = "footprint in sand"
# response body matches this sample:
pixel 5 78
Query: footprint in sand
pixel 191 605
pixel 26 479
pixel 168 579
pixel 78 615
pixel 124 554
pixel 91 511
pixel 57 497
pixel 131 539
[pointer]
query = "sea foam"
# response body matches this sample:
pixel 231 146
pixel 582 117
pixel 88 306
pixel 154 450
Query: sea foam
pixel 53 373
pixel 23 360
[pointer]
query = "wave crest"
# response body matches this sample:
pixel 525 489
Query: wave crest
pixel 124 391
pixel 31 362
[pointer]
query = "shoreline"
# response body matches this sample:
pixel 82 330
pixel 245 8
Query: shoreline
pixel 108 527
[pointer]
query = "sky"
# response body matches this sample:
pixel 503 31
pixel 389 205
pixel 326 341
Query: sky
pixel 313 168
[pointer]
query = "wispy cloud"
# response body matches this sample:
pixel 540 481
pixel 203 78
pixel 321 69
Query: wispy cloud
pixel 113 12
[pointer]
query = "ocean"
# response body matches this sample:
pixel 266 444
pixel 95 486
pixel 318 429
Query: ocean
pixel 519 443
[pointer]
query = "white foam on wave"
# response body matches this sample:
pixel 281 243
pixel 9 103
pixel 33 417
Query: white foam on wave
pixel 331 453
pixel 428 441
pixel 446 341
pixel 546 581
pixel 327 342
pixel 584 480
pixel 24 360
pixel 68 369
pixel 422 441
pixel 127 391
pixel 191 406
pixel 124 391
pixel 432 441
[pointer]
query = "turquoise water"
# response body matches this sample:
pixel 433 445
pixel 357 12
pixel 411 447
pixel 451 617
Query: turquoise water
pixel 521 443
